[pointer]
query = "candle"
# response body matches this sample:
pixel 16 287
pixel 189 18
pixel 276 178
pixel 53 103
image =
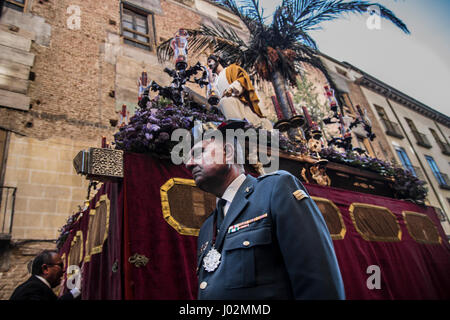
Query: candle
pixel 341 120
pixel 144 78
pixel 277 108
pixel 179 45
pixel 103 142
pixel 291 104
pixel 308 118
pixel 361 114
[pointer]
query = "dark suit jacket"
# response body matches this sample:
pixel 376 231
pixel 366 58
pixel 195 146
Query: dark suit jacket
pixel 288 254
pixel 35 289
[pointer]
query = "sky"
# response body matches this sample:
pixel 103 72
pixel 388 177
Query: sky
pixel 416 64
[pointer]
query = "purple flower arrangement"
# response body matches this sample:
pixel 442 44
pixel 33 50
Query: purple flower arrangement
pixel 287 145
pixel 67 228
pixel 150 129
pixel 405 184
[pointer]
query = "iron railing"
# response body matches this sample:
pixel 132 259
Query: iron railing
pixel 421 139
pixel 7 203
pixel 444 181
pixel 417 172
pixel 445 147
pixel 393 129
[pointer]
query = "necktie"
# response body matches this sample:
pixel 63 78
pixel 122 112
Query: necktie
pixel 220 212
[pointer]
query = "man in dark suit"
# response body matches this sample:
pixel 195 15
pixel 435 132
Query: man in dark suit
pixel 266 239
pixel 47 270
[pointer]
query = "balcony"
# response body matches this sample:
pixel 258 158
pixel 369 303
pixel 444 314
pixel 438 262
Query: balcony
pixel 393 129
pixel 7 202
pixel 445 147
pixel 444 181
pixel 417 172
pixel 421 139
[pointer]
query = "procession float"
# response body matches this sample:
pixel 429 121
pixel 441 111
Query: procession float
pixel 136 238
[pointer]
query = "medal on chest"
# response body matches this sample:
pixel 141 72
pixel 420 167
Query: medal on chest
pixel 212 260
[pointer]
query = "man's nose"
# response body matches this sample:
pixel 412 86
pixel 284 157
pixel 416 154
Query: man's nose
pixel 190 164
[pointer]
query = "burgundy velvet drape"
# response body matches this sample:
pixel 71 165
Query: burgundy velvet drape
pixel 170 272
pixel 102 275
pixel 408 269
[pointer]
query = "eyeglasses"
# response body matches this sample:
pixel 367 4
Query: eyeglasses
pixel 61 264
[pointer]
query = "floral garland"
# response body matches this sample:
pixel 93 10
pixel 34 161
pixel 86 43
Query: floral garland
pixel 405 184
pixel 67 228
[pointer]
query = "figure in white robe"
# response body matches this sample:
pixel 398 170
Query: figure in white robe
pixel 238 97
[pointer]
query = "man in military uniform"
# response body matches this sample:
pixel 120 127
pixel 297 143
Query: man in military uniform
pixel 266 239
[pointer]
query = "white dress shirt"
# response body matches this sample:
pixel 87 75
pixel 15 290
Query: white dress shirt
pixel 230 192
pixel 44 281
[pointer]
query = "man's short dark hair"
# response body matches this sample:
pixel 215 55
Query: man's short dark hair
pixel 213 57
pixel 45 257
pixel 221 60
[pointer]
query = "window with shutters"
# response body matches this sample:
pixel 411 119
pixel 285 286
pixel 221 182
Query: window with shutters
pixel 392 128
pixel 18 5
pixel 138 27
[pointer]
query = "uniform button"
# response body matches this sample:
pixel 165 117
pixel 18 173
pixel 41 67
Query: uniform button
pixel 203 285
pixel 246 243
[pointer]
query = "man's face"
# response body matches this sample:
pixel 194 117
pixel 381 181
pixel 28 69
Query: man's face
pixel 212 64
pixel 207 163
pixel 54 271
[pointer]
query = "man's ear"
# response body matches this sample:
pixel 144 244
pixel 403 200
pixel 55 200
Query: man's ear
pixel 44 269
pixel 228 149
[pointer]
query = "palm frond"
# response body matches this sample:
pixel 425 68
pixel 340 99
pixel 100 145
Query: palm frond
pixel 249 11
pixel 285 30
pixel 223 40
pixel 310 13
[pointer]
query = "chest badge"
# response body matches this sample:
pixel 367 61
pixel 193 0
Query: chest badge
pixel 212 260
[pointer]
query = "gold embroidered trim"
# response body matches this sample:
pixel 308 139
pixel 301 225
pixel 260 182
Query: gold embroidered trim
pixel 139 260
pixel 93 214
pixel 72 255
pixel 341 234
pixel 411 232
pixel 370 237
pixel 166 206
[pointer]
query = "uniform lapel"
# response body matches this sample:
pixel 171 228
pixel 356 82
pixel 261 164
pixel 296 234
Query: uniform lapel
pixel 238 204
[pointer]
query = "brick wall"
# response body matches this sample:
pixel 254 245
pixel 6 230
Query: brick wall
pixel 13 264
pixel 48 188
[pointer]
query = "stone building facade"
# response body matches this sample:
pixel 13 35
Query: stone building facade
pixel 66 69
pixel 409 133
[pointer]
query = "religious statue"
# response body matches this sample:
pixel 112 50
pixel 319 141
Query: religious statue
pixel 238 99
